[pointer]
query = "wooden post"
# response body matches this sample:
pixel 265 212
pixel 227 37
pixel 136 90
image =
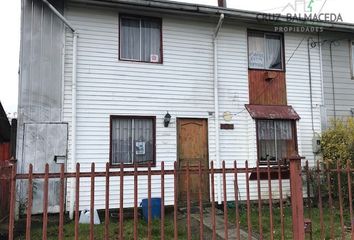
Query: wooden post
pixel 12 200
pixel 297 204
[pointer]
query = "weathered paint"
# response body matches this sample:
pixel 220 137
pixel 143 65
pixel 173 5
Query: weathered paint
pixel 43 142
pixel 40 83
pixel 272 112
pixel 267 87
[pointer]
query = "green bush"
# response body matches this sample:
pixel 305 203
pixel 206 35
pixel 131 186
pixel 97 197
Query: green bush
pixel 337 142
pixel 337 147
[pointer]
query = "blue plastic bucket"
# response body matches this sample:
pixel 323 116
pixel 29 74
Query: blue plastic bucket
pixel 155 208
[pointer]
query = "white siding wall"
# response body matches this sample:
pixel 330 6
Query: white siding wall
pixel 343 82
pixel 183 85
pixel 298 90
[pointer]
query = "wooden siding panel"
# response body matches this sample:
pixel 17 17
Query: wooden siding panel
pixel 267 91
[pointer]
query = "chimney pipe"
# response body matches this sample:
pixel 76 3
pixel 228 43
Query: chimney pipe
pixel 222 3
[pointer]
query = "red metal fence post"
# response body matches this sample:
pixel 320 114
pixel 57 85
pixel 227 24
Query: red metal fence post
pixel 297 204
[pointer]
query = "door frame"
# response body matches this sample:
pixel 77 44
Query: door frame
pixel 177 149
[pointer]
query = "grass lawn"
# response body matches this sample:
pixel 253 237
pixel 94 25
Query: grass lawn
pixel 316 227
pixel 84 229
pixel 36 232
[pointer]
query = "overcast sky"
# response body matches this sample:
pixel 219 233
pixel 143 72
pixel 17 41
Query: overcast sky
pixel 10 37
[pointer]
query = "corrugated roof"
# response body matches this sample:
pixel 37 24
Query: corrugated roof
pixel 272 112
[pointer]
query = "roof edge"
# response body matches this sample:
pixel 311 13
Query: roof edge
pixel 200 9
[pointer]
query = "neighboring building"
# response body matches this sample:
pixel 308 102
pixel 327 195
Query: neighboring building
pixel 233 88
pixel 338 76
pixel 5 136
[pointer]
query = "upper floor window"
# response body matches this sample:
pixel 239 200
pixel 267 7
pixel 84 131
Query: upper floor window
pixel 132 140
pixel 140 39
pixel 265 50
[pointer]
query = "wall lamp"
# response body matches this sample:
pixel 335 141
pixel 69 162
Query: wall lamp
pixel 167 119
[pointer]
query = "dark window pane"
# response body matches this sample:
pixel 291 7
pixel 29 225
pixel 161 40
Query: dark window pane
pixel 150 39
pixel 140 39
pixel 121 141
pixel 132 140
pixel 143 138
pixel 266 143
pixel 130 39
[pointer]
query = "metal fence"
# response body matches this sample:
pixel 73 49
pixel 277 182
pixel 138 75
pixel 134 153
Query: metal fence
pixel 5 171
pixel 324 187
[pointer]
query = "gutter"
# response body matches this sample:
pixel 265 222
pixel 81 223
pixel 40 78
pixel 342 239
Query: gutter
pixel 213 11
pixel 332 80
pixel 73 102
pixel 310 83
pixel 216 104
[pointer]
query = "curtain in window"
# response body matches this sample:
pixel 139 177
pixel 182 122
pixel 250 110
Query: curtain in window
pixel 143 138
pixel 121 141
pixel 275 139
pixel 130 39
pixel 256 49
pixel 272 50
pixel 266 143
pixel 284 137
pixel 132 140
pixel 150 40
pixel 140 39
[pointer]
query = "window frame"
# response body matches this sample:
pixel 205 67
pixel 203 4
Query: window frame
pixel 120 34
pixel 127 165
pixel 351 56
pixel 294 132
pixel 282 50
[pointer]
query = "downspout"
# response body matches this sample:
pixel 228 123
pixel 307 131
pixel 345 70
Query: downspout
pixel 323 109
pixel 314 134
pixel 73 102
pixel 332 78
pixel 73 125
pixel 216 104
pixel 310 83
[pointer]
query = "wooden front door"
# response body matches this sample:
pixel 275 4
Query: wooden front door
pixel 192 149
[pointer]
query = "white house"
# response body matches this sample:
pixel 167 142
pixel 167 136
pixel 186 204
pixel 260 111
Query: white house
pixel 98 87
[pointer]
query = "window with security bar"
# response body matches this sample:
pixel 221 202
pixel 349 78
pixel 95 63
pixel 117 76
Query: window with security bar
pixel 276 140
pixel 132 140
